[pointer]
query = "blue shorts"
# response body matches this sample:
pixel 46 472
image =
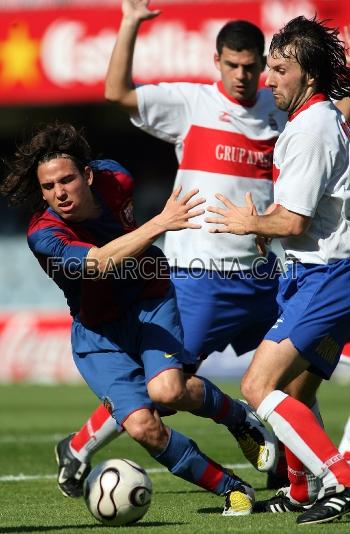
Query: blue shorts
pixel 118 359
pixel 315 313
pixel 222 308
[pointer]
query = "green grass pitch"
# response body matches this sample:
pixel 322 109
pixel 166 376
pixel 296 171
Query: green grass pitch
pixel 33 418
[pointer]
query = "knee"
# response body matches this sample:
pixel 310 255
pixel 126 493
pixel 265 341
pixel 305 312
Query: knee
pixel 147 429
pixel 138 431
pixel 169 394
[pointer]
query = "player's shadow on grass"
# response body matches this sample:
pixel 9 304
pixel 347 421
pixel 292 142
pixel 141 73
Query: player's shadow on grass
pixel 8 530
pixel 157 524
pixel 216 510
pixel 210 510
pixel 178 492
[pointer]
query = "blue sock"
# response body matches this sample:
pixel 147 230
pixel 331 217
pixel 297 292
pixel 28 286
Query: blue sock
pixel 220 407
pixel 183 459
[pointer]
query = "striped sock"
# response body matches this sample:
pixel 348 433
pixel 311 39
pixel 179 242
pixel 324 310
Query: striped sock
pixel 99 429
pixel 183 459
pixel 295 424
pixel 304 486
pixel 220 407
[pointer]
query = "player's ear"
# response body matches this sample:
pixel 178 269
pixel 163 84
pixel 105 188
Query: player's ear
pixel 89 175
pixel 217 60
pixel 42 193
pixel 310 80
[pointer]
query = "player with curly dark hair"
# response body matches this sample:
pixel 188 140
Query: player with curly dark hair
pixel 318 51
pixel 311 214
pixel 127 337
pixel 51 141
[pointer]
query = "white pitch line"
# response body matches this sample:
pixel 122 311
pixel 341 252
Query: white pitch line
pixel 44 438
pixel 151 470
pixel 24 478
pixel 31 439
pixel 54 438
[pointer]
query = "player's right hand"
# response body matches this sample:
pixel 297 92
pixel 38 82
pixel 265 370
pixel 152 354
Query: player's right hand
pixel 138 10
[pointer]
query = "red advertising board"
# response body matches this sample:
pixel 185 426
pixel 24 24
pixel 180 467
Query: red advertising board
pixel 61 54
pixel 35 347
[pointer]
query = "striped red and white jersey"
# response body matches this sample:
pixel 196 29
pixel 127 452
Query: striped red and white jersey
pixel 223 147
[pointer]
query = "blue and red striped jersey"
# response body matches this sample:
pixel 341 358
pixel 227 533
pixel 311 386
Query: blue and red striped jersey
pixel 61 248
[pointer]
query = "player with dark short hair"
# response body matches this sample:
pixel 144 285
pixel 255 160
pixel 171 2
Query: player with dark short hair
pixel 223 134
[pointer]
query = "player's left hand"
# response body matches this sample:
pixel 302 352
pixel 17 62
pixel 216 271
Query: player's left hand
pixel 138 10
pixel 178 212
pixel 233 219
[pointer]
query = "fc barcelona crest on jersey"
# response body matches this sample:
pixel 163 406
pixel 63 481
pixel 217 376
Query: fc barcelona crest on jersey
pixel 127 213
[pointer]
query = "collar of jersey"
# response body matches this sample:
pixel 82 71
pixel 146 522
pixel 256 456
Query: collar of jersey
pixel 57 216
pixel 244 103
pixel 314 99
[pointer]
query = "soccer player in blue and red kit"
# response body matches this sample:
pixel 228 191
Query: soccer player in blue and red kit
pixel 127 338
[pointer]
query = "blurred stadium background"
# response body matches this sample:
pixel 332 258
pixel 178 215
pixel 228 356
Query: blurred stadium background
pixel 53 58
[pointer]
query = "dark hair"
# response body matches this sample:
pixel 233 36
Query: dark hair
pixel 51 141
pixel 319 52
pixel 240 35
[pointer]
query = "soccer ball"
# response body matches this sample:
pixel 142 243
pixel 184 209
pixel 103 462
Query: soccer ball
pixel 118 492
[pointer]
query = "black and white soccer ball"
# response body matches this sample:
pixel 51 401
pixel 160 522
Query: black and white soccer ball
pixel 118 492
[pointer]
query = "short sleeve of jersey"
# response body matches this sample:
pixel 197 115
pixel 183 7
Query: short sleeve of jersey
pixel 58 245
pixel 164 110
pixel 305 171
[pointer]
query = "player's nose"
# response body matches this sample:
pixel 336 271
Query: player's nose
pixel 269 80
pixel 60 191
pixel 240 72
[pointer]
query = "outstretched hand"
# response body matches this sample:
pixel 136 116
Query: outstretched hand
pixel 177 211
pixel 138 9
pixel 233 219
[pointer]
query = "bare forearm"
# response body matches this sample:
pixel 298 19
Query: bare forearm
pixel 279 223
pixel 126 246
pixel 119 75
pixel 176 215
